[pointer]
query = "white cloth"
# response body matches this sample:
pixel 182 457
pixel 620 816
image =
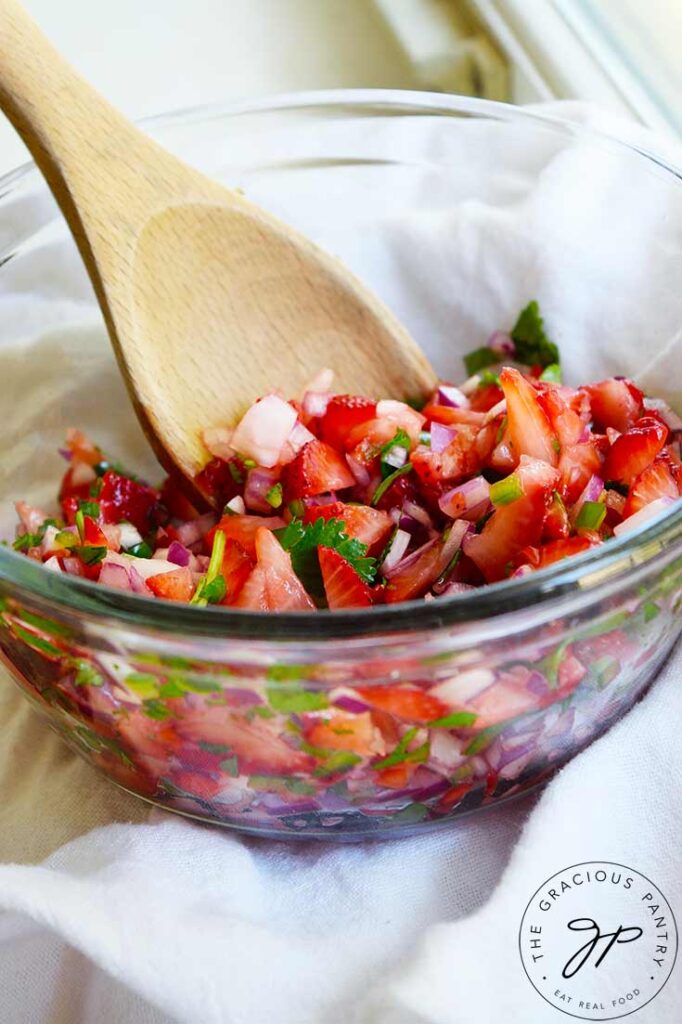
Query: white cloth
pixel 149 918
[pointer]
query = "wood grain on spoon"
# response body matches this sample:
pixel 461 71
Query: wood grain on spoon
pixel 209 300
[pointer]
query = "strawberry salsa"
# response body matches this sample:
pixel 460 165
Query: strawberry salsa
pixel 339 501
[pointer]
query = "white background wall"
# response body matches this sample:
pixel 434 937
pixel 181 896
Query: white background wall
pixel 149 56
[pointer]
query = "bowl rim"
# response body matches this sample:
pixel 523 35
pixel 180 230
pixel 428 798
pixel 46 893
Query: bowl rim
pixel 585 572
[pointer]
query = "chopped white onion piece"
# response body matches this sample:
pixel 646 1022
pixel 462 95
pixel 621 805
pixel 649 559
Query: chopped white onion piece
pixel 645 515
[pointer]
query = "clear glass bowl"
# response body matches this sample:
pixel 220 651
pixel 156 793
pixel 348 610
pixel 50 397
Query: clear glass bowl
pixel 246 720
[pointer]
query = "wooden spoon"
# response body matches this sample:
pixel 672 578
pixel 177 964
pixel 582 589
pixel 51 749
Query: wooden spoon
pixel 209 300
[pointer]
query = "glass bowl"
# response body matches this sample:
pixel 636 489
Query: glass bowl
pixel 300 725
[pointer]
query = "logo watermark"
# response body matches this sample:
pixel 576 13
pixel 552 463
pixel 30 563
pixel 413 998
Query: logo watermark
pixel 598 940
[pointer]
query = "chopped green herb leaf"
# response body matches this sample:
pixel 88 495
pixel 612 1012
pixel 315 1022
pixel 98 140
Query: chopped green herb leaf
pixel 302 542
pixel 89 508
pixel 230 766
pixel 140 550
pixel 144 684
pixel 291 698
pixel 401 754
pixel 235 472
pixel 86 674
pixel 26 541
pixel 387 481
pixel 551 374
pixel 488 378
pixel 211 588
pixel 91 554
pixel 532 344
pixel 479 359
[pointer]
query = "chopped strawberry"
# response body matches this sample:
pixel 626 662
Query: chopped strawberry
pixel 282 587
pixel 633 451
pixel 402 416
pixel 221 481
pixel 417 576
pixel 485 398
pixel 344 412
pixel 76 483
pixel 370 526
pixel 578 462
pixel 558 549
pixel 176 585
pixel 530 430
pixel 93 536
pixel 567 423
pixel 253 594
pixel 317 469
pixel 408 702
pixel 556 526
pixel 515 526
pixel 237 566
pixel 337 730
pixel 179 506
pixel 449 415
pixel 342 585
pixel 396 776
pixel 243 530
pixel 364 441
pixel 615 403
pixel 124 499
pixel 258 746
pixel 570 674
pixel 656 481
pixel 458 460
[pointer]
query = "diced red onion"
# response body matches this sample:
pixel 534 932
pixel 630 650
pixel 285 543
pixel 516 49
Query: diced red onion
pixel 237 505
pixel 320 499
pixel 81 474
pixel 399 545
pixel 264 429
pixel 129 535
pixel 218 440
pixel 650 511
pixel 315 403
pixel 537 684
pixel 523 570
pixel 497 410
pixel 53 564
pixel 591 492
pixel 464 501
pixel 409 560
pixel 585 436
pixel 458 531
pixel 396 456
pixel 189 533
pixel 258 482
pixel 297 439
pixel 114 575
pixel 31 518
pixel 113 535
pixel 612 434
pixel 179 554
pixel 47 543
pixel 441 436
pixel 449 395
pixel 322 381
pixel 360 472
pixel 453 588
pixel 202 562
pixel 66 453
pixel 352 704
pixel 395 514
pixel 136 581
pixel 501 344
pixel 73 566
pixel 418 513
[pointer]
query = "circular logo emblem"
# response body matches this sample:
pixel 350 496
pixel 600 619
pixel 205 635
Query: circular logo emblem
pixel 598 940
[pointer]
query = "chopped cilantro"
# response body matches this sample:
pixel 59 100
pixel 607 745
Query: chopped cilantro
pixel 551 373
pixel 479 359
pixel 140 550
pixel 387 481
pixel 532 344
pixel 488 378
pixel 91 554
pixel 387 453
pixel 402 755
pixel 89 508
pixel 26 541
pixel 291 698
pixel 86 674
pixel 302 543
